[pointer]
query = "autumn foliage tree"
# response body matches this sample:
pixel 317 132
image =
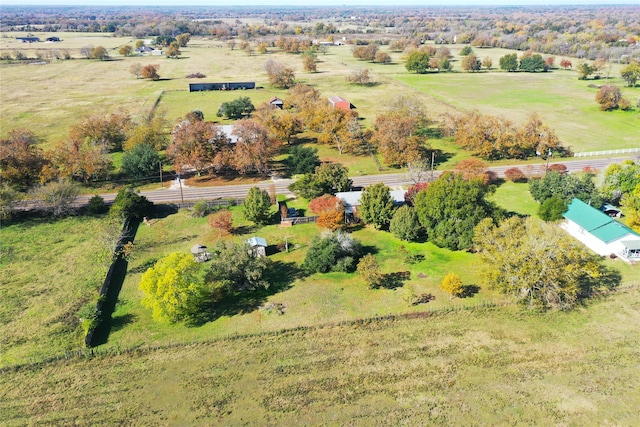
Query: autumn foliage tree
pixel 222 221
pixel 81 158
pixel 108 129
pixel 21 160
pixel 279 75
pixel 609 97
pixel 473 168
pixel 452 284
pixel 330 211
pixel 150 72
pixel 515 175
pixel 199 144
pixel 253 149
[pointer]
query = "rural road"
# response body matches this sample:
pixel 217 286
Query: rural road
pixel 174 194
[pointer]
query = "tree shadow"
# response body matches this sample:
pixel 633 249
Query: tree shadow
pixel 468 291
pixel 119 322
pixel 245 229
pixel 608 280
pixel 144 266
pixel 441 157
pixel 394 280
pixel 280 276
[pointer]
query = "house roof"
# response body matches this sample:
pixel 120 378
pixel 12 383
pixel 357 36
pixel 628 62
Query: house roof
pixel 352 198
pixel 597 223
pixel 228 130
pixel 257 241
pixel 335 99
pixel 276 100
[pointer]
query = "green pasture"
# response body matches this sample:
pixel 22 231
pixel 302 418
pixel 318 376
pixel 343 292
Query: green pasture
pixel 50 269
pixel 559 98
pixel 480 367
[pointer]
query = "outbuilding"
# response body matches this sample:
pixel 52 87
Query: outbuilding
pixel 258 246
pixel 339 102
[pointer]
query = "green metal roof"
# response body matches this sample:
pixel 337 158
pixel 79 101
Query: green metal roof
pixel 599 224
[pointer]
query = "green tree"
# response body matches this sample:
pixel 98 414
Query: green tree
pixel 552 209
pixel 376 206
pixel 536 263
pixel 129 204
pixel 620 179
pixel 333 177
pixel 418 62
pixel 174 288
pixel 303 159
pixel 142 161
pixel 452 284
pixel 237 108
pixel 466 51
pixel 631 73
pixel 450 208
pixel 532 63
pixel 233 269
pixel 369 270
pixel 509 62
pixel 584 70
pixel 405 224
pixel 257 206
pixel 565 187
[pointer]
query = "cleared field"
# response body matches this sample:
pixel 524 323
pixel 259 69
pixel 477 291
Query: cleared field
pixel 49 271
pixel 481 367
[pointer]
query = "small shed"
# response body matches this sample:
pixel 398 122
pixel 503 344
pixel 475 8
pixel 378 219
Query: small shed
pixel 339 102
pixel 258 246
pixel 53 39
pixel 199 252
pixel 276 102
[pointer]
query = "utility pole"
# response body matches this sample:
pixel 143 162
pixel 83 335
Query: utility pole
pixel 180 182
pixel 161 182
pixel 433 160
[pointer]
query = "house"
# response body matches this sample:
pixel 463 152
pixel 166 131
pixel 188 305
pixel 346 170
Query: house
pixel 339 102
pixel 199 253
pixel 258 246
pixel 145 50
pixel 276 102
pixel 600 232
pixel 228 131
pixel 28 39
pixel 351 200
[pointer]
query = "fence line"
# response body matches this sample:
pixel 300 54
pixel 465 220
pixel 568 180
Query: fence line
pixel 299 220
pixel 605 152
pixel 215 203
pixel 138 350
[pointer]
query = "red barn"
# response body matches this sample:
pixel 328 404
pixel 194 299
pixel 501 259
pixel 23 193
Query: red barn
pixel 339 102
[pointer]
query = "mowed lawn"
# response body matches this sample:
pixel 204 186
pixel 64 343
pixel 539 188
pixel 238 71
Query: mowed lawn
pixel 482 367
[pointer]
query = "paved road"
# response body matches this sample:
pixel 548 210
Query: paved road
pixel 174 194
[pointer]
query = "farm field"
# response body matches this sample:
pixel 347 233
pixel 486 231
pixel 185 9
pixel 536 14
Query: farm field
pixel 58 93
pixel 485 366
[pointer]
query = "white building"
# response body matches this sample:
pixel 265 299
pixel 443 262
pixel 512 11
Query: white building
pixel 601 233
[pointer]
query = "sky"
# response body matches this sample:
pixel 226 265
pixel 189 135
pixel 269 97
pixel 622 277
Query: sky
pixel 314 2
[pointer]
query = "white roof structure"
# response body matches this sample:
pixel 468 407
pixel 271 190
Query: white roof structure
pixel 257 241
pixel 351 199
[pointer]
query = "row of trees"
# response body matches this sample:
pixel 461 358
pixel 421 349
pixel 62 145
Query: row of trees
pixel 493 137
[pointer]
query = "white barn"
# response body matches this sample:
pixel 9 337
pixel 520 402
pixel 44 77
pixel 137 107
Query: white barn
pixel 601 233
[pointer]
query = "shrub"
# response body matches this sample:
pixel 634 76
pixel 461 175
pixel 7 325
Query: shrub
pixel 515 175
pixel 369 269
pixel 332 252
pixel 452 284
pixel 200 209
pixel 97 206
pixel 196 76
pixel 552 209
pixel 222 221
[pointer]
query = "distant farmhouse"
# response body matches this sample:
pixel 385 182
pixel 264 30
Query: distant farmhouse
pixel 148 50
pixel 600 232
pixel 53 39
pixel 29 39
pixel 276 102
pixel 198 87
pixel 339 102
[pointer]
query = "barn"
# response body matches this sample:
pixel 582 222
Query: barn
pixel 339 102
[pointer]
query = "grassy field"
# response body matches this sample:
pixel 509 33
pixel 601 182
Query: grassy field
pixel 49 272
pixel 481 367
pixel 58 93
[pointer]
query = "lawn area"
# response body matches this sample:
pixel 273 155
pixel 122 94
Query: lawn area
pixel 499 366
pixel 515 197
